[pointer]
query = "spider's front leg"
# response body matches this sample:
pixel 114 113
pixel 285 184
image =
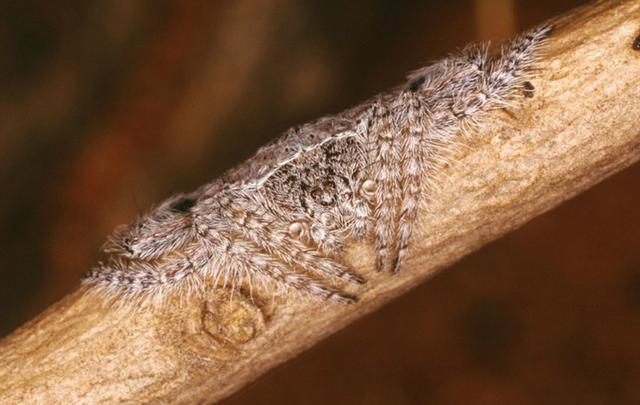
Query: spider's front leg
pixel 413 151
pixel 411 131
pixel 236 260
pixel 399 150
pixel 259 231
pixel 387 143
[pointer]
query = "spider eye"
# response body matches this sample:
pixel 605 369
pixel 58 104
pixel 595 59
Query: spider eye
pixel 296 229
pixel 369 187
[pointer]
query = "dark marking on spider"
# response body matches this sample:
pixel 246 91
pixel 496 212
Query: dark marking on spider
pixel 183 205
pixel 636 44
pixel 528 90
pixel 415 84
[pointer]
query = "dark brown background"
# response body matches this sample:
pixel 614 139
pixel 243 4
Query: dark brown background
pixel 109 106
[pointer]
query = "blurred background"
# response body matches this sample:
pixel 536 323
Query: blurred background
pixel 109 106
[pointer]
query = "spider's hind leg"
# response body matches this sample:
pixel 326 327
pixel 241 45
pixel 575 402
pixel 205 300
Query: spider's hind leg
pixel 166 228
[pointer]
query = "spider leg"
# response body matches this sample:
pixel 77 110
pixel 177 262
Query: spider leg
pixel 384 153
pixel 280 240
pixel 412 169
pixel 166 228
pixel 249 259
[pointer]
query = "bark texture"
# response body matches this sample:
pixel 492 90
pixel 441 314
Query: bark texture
pixel 581 125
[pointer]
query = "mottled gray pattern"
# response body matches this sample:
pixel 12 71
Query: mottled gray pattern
pixel 284 216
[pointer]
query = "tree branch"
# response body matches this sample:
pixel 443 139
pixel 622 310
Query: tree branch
pixel 582 124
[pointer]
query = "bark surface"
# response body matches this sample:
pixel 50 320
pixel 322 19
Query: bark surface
pixel 581 125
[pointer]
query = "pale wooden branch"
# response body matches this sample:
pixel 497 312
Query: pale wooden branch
pixel 582 125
